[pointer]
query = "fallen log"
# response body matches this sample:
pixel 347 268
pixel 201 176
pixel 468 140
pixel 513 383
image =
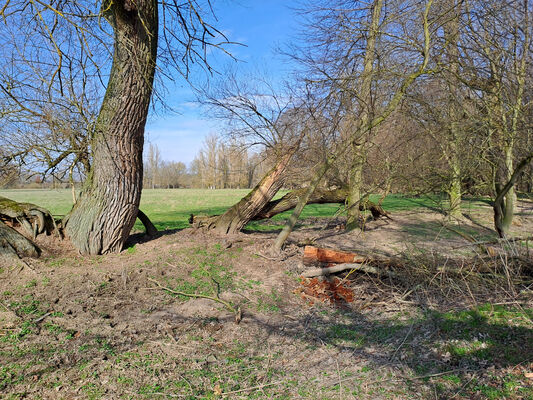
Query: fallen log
pixel 33 219
pixel 314 272
pixel 314 255
pixel 289 201
pixel 320 196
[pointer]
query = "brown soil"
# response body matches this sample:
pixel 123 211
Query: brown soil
pixel 96 327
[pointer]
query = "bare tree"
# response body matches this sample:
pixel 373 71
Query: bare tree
pixel 258 116
pixel 102 219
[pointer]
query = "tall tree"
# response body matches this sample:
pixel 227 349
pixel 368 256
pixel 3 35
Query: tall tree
pixel 102 219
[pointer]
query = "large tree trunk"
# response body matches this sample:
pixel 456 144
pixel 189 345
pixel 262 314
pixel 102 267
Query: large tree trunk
pixel 104 215
pixel 236 218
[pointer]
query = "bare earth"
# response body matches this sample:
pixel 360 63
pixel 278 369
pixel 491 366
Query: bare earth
pixel 74 327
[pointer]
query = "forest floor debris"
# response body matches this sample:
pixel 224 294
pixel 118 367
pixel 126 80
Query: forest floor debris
pixel 454 324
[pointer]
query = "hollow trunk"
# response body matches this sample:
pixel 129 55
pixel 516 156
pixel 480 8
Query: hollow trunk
pixel 104 215
pixel 236 218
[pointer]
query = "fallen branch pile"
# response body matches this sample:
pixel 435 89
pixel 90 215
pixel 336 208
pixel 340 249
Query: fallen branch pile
pixel 316 286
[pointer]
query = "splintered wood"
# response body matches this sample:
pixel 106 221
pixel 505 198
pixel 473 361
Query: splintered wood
pixel 324 291
pixel 316 255
pixel 331 290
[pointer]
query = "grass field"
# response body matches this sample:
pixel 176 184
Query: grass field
pixel 102 327
pixel 171 208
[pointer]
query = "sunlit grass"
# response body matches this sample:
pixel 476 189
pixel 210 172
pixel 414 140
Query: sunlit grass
pixel 171 208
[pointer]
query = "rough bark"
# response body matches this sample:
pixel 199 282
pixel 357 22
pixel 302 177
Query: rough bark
pixel 236 218
pixel 14 245
pixel 104 215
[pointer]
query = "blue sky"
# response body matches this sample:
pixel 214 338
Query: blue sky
pixel 261 25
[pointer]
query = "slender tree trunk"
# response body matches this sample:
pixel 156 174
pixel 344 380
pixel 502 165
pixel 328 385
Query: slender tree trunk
pixel 510 197
pixel 451 35
pixel 365 104
pixel 454 191
pixel 376 121
pixel 104 215
pixel 355 184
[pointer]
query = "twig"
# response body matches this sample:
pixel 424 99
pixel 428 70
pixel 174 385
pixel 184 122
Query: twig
pixel 267 258
pixel 403 342
pixel 397 379
pixel 42 317
pixel 236 311
pixel 252 388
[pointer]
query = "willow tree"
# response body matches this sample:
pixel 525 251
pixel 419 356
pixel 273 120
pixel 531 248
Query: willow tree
pixel 102 218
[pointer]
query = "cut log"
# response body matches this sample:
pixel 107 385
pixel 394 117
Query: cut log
pixel 314 255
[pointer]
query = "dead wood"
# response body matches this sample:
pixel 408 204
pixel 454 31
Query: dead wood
pixel 33 219
pixel 15 245
pixel 319 196
pixel 314 272
pixel 314 255
pixel 290 200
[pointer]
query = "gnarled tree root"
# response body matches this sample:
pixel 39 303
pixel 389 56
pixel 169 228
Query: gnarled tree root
pixel 15 245
pixel 33 219
pixel 151 230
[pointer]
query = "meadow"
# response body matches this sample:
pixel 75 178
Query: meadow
pixel 118 326
pixel 170 209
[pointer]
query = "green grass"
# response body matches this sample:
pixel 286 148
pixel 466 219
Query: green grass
pixel 171 208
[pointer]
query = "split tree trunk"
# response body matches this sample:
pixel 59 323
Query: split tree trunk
pixel 236 218
pixel 104 215
pixel 499 203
